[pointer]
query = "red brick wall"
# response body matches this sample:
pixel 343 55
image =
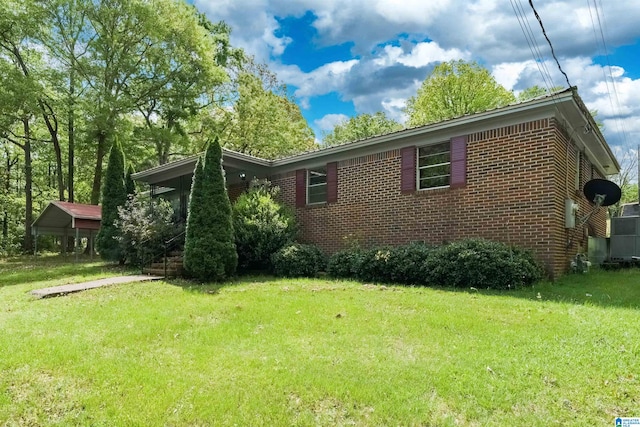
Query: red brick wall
pixel 515 194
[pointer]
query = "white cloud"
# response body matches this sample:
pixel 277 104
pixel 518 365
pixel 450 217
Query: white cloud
pixel 410 11
pixel 328 122
pixel 277 45
pixel 323 80
pixel 509 73
pixel 383 73
pixel 421 54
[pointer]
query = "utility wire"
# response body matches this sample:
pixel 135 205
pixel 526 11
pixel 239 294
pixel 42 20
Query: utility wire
pixel 535 12
pixel 533 45
pixel 615 107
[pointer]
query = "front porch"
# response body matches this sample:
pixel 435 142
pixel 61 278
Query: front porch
pixel 172 181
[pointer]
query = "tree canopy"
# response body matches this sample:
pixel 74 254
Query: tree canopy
pixel 256 115
pixel 159 76
pixel 360 127
pixel 454 89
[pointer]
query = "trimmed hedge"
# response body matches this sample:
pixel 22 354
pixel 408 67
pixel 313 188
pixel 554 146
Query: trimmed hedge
pixel 298 260
pixel 399 264
pixel 482 263
pixel 344 264
pixel 468 263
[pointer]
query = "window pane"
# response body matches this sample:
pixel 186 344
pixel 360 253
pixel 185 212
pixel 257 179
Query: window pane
pixel 434 149
pixel 434 165
pixel 317 185
pixel 317 194
pixel 433 159
pixel 317 176
pixel 440 181
pixel 435 171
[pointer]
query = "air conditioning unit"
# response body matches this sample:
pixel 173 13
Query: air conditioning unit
pixel 625 238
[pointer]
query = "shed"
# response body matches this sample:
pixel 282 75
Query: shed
pixel 68 219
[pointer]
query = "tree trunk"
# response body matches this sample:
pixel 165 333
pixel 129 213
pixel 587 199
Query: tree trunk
pixel 52 126
pixel 27 245
pixel 49 119
pixel 71 131
pixel 7 190
pixel 97 178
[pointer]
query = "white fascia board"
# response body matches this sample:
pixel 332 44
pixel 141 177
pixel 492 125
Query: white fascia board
pixel 177 168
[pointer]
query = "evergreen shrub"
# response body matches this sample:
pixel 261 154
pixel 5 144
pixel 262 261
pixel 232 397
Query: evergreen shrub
pixel 262 225
pixel 406 264
pixel 209 250
pixel 114 194
pixel 481 263
pixel 403 264
pixel 298 260
pixel 345 264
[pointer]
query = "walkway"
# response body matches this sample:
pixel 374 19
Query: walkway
pixel 56 291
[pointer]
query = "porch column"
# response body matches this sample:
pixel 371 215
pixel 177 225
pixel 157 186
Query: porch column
pixel 35 242
pixel 75 243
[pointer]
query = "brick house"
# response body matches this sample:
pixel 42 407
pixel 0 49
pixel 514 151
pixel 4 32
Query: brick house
pixel 503 174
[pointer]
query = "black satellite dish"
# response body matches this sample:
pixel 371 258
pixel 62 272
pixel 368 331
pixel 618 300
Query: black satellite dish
pixel 602 192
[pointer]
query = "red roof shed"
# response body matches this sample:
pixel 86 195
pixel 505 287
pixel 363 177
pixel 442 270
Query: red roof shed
pixel 68 219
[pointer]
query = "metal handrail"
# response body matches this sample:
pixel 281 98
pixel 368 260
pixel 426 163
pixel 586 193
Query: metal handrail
pixel 166 245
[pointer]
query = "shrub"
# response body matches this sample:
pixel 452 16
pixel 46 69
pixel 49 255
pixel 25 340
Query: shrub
pixel 345 264
pixel 209 249
pixel 143 225
pixel 400 264
pixel 262 225
pixel 373 265
pixel 406 264
pixel 481 264
pixel 298 260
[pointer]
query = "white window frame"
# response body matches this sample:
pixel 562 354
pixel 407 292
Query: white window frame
pixel 420 168
pixel 322 184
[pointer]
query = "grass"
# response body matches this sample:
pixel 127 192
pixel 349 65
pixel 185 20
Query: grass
pixel 261 351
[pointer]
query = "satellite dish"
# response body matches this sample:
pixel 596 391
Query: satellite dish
pixel 602 192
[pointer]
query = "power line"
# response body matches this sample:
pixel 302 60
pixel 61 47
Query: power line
pixel 615 107
pixel 535 12
pixel 533 45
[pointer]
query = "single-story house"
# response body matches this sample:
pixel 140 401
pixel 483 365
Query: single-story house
pixel 513 174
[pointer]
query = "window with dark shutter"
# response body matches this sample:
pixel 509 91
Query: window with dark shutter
pixel 434 166
pixel 317 185
pixel 408 166
pixel 332 182
pixel 301 188
pixel 458 161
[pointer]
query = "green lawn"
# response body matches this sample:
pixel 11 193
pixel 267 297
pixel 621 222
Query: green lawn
pixel 316 352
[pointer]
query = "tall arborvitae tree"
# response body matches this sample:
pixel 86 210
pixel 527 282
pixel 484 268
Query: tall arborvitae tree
pixel 114 194
pixel 129 185
pixel 210 251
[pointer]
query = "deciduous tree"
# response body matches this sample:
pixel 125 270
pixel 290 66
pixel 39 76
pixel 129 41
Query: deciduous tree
pixel 360 127
pixel 454 89
pixel 255 115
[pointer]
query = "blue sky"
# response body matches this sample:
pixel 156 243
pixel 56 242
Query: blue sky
pixel 342 58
